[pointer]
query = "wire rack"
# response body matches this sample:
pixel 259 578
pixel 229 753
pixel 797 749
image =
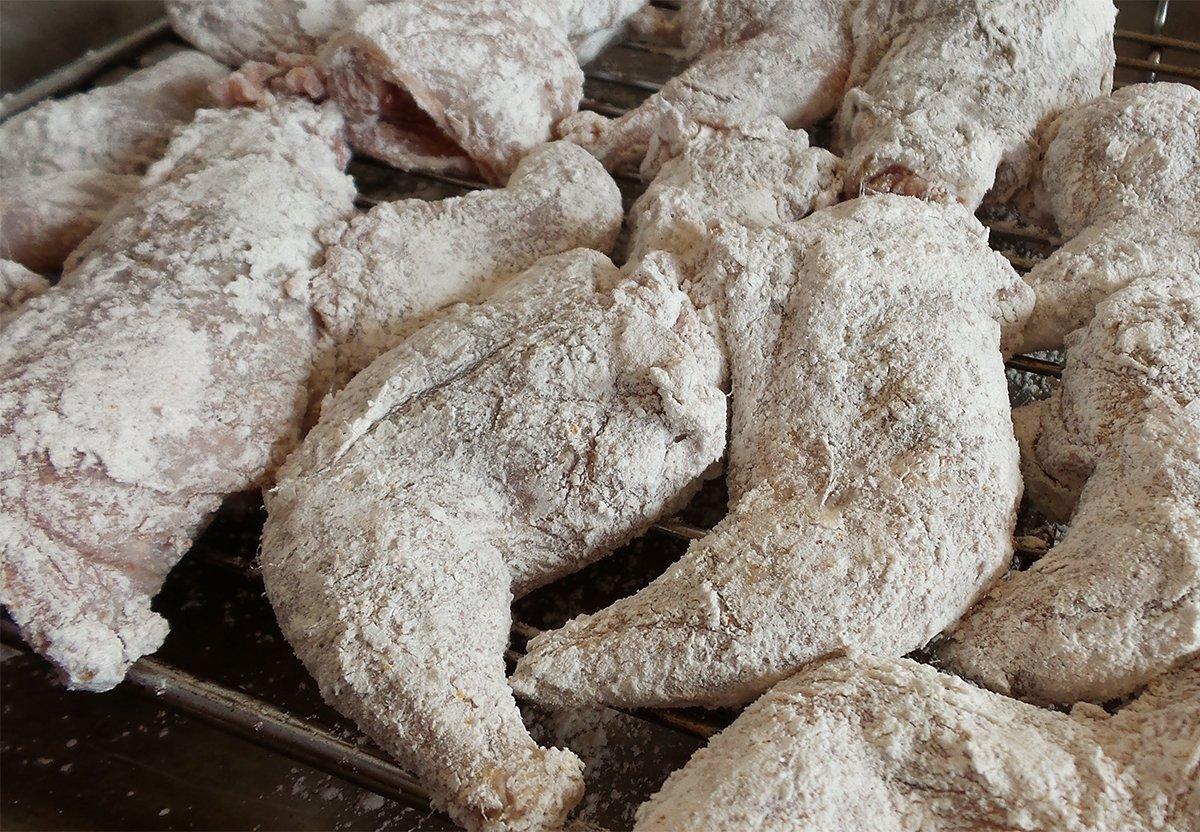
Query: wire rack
pixel 618 80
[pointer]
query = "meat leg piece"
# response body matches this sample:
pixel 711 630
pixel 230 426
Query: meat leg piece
pixel 873 473
pixel 495 450
pixel 1121 177
pixel 403 260
pixel 167 370
pixel 889 744
pixel 65 163
pixel 946 99
pixel 1118 601
pixel 754 59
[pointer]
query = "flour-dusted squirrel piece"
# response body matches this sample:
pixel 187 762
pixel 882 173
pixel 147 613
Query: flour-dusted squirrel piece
pixel 1118 600
pixel 493 451
pixel 1121 177
pixel 167 370
pixel 946 99
pixel 306 326
pixel 18 284
pixel 401 261
pixel 454 87
pixel 891 745
pixel 753 59
pixel 65 162
pixel 873 473
pixel 1115 448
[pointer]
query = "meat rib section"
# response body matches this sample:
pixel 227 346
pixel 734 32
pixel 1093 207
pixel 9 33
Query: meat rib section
pixel 453 86
pixel 888 744
pixel 168 369
pixel 65 163
pixel 493 451
pixel 1118 600
pixel 236 31
pixel 873 473
pixel 947 99
pixel 403 260
pixel 754 60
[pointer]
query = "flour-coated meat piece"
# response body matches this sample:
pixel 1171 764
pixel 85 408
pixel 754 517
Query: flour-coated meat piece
pixel 64 163
pixel 496 449
pixel 168 369
pixel 890 745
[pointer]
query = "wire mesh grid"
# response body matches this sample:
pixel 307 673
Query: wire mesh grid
pixel 616 81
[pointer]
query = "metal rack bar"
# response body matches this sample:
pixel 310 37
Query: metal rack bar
pixel 1160 69
pixel 87 67
pixel 260 722
pixel 1160 20
pixel 1024 232
pixel 1035 365
pixel 1157 40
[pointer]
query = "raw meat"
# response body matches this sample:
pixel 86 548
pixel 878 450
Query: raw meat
pixel 873 473
pixel 947 99
pixel 495 450
pixel 66 162
pixel 166 370
pixel 893 746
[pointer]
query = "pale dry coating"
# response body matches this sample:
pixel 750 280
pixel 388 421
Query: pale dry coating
pixel 708 25
pixel 1122 179
pixel 235 31
pixel 495 450
pixel 1117 601
pixel 946 99
pixel 18 284
pixel 404 260
pixel 168 369
pixel 1142 347
pixel 873 473
pixel 790 63
pixel 454 86
pixel 726 177
pixel 65 163
pixel 890 745
pixel 1137 150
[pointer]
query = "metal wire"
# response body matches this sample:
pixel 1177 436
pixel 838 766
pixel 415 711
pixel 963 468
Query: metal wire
pixel 81 71
pixel 266 725
pixel 1160 20
pixel 263 724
